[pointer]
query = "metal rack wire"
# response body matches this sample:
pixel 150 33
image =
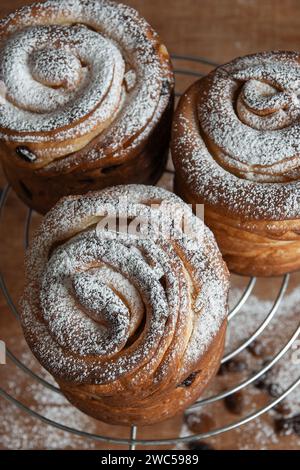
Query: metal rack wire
pixel 132 441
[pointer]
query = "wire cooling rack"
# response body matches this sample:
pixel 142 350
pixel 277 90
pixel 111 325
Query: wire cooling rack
pixel 187 70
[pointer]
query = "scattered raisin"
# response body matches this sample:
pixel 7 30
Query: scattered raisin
pixel 282 426
pixel 260 383
pixel 235 402
pixel 288 425
pixel 189 380
pixel 200 445
pixel 282 408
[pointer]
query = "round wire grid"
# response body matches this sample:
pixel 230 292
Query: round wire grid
pixel 183 73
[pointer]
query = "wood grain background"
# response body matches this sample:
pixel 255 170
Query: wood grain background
pixel 219 29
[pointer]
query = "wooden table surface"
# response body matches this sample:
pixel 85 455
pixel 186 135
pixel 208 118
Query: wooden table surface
pixel 216 29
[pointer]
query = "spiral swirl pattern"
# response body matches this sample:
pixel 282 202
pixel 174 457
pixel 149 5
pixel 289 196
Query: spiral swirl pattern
pixel 250 116
pixel 56 87
pixel 74 69
pixel 236 139
pixel 130 317
pixel 236 149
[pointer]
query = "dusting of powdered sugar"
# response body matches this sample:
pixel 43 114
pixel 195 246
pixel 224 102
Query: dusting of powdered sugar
pixel 69 333
pixel 202 173
pixel 239 166
pixel 86 88
pixel 44 95
pixel 20 431
pixel 273 148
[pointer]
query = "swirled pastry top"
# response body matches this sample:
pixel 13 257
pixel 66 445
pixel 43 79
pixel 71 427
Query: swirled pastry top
pixel 97 308
pixel 246 157
pixel 72 70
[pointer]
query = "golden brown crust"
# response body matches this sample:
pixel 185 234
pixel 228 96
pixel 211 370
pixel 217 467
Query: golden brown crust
pixel 41 189
pixel 131 329
pixel 252 248
pixel 255 252
pixel 252 209
pixel 128 409
pixel 80 136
